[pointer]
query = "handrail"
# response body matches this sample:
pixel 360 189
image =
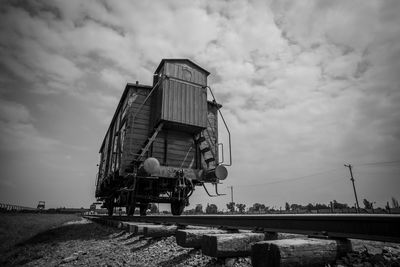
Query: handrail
pixel 226 127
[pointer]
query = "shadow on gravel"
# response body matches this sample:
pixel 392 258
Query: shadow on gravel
pixel 128 237
pixel 178 259
pixel 134 242
pixel 146 244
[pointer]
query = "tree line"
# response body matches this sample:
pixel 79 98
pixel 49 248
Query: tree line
pixel 233 207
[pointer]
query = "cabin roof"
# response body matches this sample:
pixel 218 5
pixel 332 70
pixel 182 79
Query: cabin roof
pixel 182 60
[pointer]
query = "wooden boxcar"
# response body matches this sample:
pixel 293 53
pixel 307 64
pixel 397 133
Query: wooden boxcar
pixel 162 141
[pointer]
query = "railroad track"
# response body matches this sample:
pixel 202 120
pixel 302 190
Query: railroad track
pixel 368 227
pixel 329 234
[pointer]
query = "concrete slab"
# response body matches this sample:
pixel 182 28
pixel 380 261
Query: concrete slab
pixel 159 230
pixel 230 245
pixel 298 252
pixel 191 238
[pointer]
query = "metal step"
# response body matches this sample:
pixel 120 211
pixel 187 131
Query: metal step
pixel 206 149
pixel 201 139
pixel 209 160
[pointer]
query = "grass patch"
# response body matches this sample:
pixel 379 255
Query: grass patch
pixel 18 227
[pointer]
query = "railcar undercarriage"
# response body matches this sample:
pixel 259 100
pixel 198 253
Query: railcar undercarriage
pixel 138 191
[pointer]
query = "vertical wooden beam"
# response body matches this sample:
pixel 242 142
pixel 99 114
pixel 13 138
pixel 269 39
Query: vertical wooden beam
pixel 165 147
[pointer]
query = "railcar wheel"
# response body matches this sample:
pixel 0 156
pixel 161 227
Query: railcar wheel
pixel 143 209
pixel 177 207
pixel 130 210
pixel 110 211
pixel 110 206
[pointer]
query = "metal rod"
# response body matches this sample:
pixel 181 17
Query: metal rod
pixel 231 187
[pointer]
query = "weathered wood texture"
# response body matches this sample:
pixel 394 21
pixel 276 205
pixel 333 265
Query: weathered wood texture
pixel 133 226
pixel 298 252
pixel 139 228
pixel 174 148
pixel 229 245
pixel 125 134
pixel 137 129
pixel 185 71
pixel 192 238
pixel 159 230
pixel 183 103
pixel 180 98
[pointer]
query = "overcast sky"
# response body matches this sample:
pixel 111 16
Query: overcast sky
pixel 306 87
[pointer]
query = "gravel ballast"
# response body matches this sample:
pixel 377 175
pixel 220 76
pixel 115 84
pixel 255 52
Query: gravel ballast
pixel 84 243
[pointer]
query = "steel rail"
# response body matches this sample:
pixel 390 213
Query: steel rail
pixel 368 227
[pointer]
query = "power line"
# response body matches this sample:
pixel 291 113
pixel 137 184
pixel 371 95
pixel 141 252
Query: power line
pixel 292 179
pixel 379 163
pixel 382 163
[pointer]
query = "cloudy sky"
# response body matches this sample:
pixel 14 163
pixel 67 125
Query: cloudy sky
pixel 307 86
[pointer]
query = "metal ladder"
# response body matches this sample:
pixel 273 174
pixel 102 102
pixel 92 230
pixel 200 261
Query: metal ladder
pixel 205 150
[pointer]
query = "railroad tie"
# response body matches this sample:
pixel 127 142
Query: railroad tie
pixel 229 245
pixel 191 238
pixel 298 252
pixel 131 226
pixel 159 230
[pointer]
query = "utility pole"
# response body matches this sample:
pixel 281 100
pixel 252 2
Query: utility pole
pixel 231 192
pixel 354 187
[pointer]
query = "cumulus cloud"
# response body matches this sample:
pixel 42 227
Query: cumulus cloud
pixel 17 131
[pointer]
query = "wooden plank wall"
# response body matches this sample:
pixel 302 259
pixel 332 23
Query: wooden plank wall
pixel 172 146
pixel 181 70
pixel 184 103
pixel 137 130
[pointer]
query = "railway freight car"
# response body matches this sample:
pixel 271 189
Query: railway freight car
pixel 162 141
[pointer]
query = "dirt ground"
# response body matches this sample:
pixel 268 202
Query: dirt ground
pixel 83 243
pixel 18 227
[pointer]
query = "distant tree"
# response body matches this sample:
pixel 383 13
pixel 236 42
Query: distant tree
pixel 387 207
pixel 198 208
pixel 310 207
pixel 319 206
pixel 153 208
pixel 241 207
pixel 367 204
pixel 287 206
pixel 337 205
pixel 257 207
pixel 296 207
pixel 191 211
pixel 231 206
pixel 251 209
pixel 395 203
pixel 211 209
